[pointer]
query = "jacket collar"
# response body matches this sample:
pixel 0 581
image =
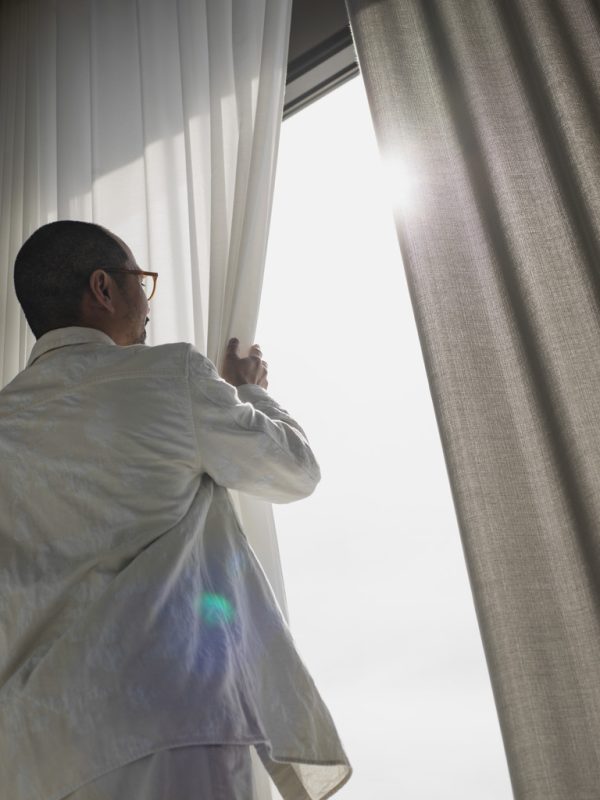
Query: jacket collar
pixel 63 337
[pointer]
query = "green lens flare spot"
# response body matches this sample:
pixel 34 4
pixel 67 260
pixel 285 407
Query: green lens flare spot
pixel 215 609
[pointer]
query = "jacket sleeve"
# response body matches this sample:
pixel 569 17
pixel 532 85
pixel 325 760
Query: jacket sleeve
pixel 246 440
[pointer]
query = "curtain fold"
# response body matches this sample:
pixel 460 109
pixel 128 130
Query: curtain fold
pixel 161 122
pixel 487 117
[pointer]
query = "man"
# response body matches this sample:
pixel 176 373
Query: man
pixel 142 650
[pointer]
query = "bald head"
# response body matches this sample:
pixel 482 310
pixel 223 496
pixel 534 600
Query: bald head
pixel 52 270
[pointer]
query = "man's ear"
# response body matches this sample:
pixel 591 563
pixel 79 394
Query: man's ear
pixel 101 287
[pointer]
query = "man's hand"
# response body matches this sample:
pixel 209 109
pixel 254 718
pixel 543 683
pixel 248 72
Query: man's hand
pixel 237 371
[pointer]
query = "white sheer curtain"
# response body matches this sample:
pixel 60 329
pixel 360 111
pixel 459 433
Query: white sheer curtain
pixel 159 120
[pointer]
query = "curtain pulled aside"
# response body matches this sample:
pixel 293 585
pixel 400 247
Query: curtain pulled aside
pixel 487 115
pixel 159 121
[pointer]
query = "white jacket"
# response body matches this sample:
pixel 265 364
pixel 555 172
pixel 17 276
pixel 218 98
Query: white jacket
pixel 134 615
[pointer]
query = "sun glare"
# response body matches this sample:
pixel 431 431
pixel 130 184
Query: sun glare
pixel 401 181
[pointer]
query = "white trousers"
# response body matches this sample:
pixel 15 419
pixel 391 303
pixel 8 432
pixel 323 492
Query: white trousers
pixel 208 772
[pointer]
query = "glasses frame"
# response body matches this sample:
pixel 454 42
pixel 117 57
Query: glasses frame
pixel 135 272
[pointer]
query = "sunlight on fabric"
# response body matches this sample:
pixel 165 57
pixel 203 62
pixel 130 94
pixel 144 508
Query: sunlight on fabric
pixel 401 179
pixel 229 120
pixel 120 199
pixel 80 206
pixel 254 94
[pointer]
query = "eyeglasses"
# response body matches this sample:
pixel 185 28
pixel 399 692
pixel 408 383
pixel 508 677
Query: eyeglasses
pixel 149 286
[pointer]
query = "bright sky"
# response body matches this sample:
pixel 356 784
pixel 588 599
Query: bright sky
pixel 380 604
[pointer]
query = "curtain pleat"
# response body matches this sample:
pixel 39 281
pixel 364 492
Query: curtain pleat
pixel 159 121
pixel 486 113
pixel 194 65
pixel 14 49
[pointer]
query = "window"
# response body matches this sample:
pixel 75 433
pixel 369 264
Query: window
pixel 379 598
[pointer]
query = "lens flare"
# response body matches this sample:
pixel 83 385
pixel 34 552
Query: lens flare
pixel 215 609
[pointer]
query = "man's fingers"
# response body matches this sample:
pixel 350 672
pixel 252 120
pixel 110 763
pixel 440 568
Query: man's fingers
pixel 232 345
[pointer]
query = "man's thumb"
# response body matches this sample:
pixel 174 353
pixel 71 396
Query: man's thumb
pixel 232 344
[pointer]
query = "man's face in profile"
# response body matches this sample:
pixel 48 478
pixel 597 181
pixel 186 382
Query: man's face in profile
pixel 131 304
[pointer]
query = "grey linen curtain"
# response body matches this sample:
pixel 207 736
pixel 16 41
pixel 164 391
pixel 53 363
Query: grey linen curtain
pixel 493 108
